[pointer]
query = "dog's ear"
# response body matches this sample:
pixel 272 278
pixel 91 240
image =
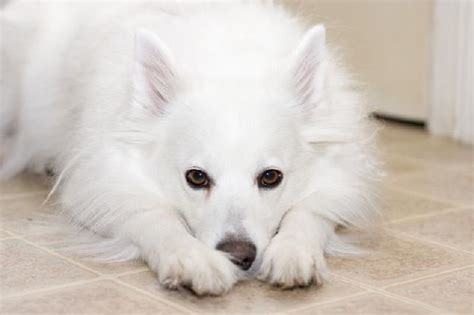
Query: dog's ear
pixel 154 76
pixel 307 68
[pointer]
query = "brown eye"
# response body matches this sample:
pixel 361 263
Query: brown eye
pixel 270 179
pixel 197 179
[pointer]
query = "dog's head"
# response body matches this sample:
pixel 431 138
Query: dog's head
pixel 231 156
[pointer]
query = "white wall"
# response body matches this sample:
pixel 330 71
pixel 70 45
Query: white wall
pixel 388 45
pixel 452 110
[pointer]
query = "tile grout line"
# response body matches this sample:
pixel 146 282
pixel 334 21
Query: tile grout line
pixel 23 195
pixel 428 215
pixel 154 297
pixel 422 160
pixel 8 238
pixel 329 301
pixel 10 232
pixel 428 276
pixel 74 262
pixel 416 160
pixel 74 284
pixel 101 276
pixel 427 196
pixel 55 254
pixel 380 290
pixel 406 236
pixel 130 272
pixel 411 301
pixel 366 290
pixel 52 288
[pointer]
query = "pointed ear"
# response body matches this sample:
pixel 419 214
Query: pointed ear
pixel 154 75
pixel 307 66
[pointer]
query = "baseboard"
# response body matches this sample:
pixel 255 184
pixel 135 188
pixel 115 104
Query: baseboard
pixel 398 120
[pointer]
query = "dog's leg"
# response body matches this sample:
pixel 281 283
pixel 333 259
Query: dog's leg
pixel 177 257
pixel 295 256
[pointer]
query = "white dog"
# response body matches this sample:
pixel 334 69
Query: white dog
pixel 213 141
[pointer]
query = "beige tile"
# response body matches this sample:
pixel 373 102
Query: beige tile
pixel 65 243
pixel 4 234
pixel 23 184
pixel 104 297
pixel 393 260
pixel 63 240
pixel 49 236
pixel 399 205
pixel 372 303
pixel 417 143
pixel 396 166
pixel 26 216
pixel 114 267
pixel 443 152
pixel 108 268
pixel 409 151
pixel 250 296
pixel 451 185
pixel 452 291
pixel 24 268
pixel 391 134
pixel 455 229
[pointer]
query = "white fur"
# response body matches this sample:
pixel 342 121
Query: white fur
pixel 121 99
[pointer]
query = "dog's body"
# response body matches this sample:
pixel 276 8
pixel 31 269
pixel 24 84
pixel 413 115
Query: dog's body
pixel 176 130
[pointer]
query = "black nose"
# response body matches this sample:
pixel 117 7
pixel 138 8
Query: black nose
pixel 242 253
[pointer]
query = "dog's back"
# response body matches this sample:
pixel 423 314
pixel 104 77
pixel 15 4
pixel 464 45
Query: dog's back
pixel 36 42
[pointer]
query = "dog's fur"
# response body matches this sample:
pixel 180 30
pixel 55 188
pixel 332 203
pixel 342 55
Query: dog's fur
pixel 120 100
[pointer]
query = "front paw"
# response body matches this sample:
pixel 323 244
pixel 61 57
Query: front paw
pixel 203 270
pixel 288 263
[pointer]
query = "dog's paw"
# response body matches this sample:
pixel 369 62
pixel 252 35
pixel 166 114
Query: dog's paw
pixel 288 264
pixel 203 270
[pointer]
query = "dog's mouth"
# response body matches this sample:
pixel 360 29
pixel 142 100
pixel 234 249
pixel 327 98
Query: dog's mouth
pixel 246 270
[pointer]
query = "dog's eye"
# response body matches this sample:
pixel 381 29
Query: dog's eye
pixel 269 178
pixel 197 179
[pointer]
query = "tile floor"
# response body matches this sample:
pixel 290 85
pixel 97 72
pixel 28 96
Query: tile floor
pixel 421 262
